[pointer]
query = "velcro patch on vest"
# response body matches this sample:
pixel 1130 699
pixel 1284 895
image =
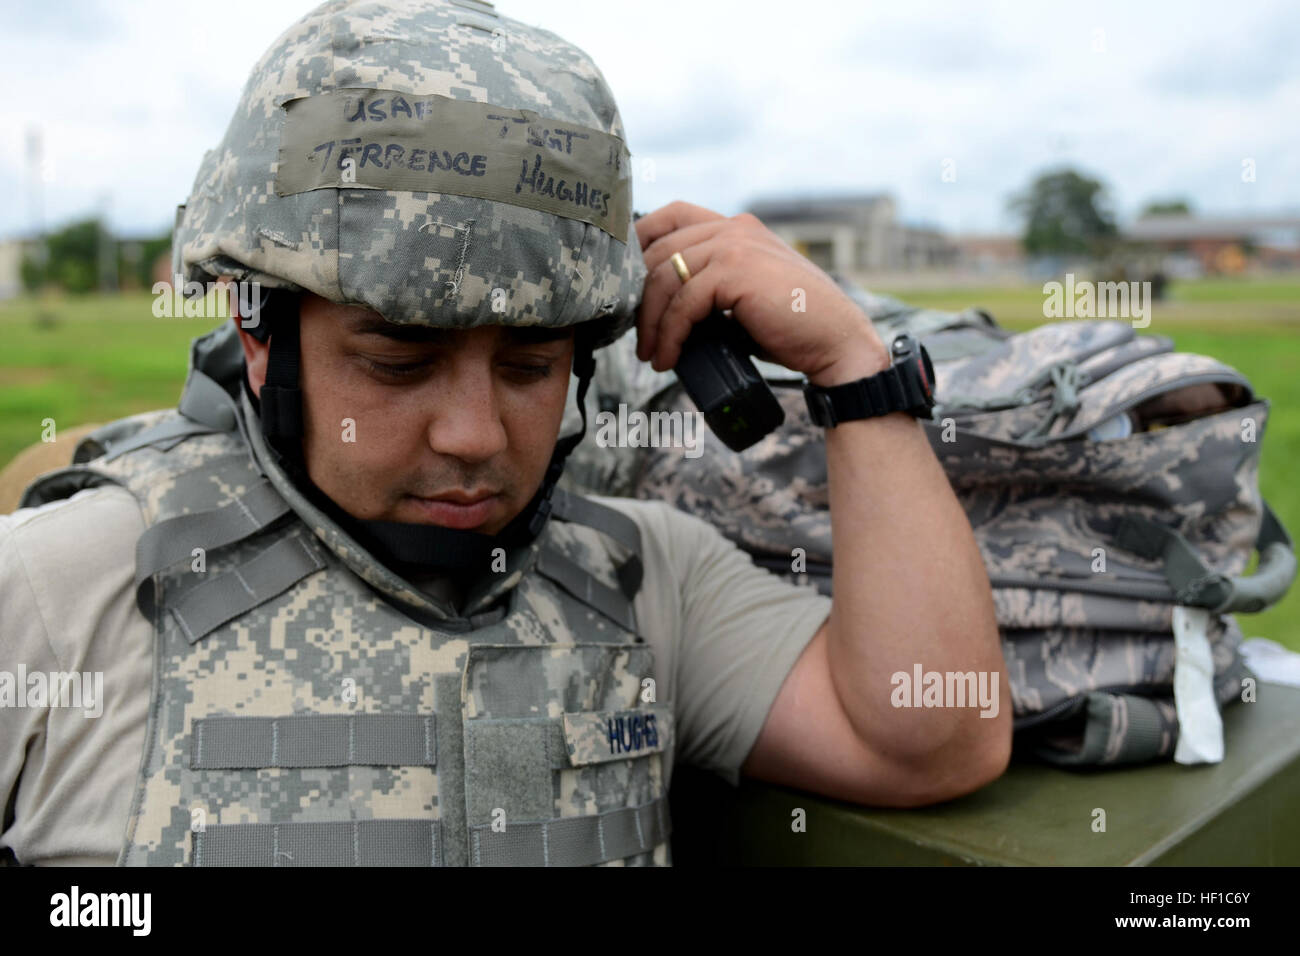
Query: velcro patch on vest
pixel 382 139
pixel 599 736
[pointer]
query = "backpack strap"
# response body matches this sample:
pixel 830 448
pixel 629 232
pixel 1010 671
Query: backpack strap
pixel 1117 729
pixel 1195 585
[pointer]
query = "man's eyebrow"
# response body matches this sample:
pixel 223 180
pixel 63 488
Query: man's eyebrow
pixel 399 333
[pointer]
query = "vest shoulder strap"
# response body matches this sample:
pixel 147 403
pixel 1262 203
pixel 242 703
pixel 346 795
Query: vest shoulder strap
pixel 271 571
pixel 175 539
pixel 576 509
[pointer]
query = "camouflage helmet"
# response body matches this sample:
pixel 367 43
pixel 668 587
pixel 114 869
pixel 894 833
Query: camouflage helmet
pixel 430 160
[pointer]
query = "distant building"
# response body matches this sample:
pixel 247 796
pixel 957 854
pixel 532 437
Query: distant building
pixel 1222 243
pixel 11 262
pixel 854 233
pixel 126 278
pixel 990 253
pixel 161 270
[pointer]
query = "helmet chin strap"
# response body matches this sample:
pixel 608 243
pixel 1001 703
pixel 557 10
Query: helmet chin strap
pixel 412 546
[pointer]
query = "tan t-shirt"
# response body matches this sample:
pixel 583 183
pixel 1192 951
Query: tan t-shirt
pixel 725 634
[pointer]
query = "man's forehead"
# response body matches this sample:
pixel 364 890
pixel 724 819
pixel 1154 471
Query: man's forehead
pixel 373 324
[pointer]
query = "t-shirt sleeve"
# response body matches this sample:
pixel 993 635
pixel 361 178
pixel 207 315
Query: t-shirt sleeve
pixel 24 646
pixel 68 599
pixel 739 630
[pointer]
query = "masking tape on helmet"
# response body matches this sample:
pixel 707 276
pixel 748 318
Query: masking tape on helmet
pixel 380 139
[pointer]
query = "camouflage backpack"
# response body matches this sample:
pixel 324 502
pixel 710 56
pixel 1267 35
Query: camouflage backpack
pixel 1112 485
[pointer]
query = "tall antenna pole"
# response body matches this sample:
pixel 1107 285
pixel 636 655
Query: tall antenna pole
pixel 36 195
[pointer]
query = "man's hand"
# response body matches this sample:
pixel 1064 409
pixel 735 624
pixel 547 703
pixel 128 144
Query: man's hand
pixel 741 265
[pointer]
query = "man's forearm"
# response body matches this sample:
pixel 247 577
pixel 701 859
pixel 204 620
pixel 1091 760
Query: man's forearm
pixel 909 585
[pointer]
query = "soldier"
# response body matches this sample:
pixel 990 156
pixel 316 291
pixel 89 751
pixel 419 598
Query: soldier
pixel 343 614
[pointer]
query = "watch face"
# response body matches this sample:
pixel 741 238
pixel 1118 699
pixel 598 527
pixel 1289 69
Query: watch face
pixel 927 373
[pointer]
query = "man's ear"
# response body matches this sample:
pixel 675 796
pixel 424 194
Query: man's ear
pixel 255 354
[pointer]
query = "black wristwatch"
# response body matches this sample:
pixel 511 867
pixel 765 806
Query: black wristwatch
pixel 906 386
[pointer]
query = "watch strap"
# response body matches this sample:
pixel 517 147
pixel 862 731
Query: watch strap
pixel 896 389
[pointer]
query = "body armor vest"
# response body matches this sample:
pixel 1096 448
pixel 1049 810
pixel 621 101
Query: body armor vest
pixel 310 707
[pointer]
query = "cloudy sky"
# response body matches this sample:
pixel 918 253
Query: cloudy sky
pixel 733 101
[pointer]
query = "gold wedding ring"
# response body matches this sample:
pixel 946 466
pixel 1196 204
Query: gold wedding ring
pixel 679 264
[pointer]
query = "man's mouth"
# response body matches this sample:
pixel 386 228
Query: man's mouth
pixel 458 509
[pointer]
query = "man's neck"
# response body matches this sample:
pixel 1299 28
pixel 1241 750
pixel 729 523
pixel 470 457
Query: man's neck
pixel 445 588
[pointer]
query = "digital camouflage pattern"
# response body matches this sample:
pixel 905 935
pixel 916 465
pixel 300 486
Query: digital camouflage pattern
pixel 422 258
pixel 343 635
pixel 1089 652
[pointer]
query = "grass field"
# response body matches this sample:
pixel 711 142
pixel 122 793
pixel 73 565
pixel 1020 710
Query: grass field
pixel 98 358
pixel 1267 301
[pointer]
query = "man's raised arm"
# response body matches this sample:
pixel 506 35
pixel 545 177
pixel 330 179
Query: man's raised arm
pixel 901 698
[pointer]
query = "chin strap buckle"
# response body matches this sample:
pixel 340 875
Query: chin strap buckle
pixel 540 516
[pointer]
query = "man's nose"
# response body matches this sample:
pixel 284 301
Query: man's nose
pixel 467 424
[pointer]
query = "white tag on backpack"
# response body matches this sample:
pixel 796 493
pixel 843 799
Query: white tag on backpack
pixel 1200 727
